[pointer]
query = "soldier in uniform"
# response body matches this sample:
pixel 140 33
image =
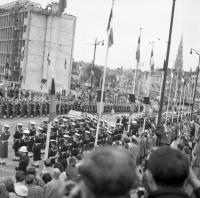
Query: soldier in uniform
pixel 4 144
pixel 52 151
pixel 10 109
pixel 32 135
pixel 18 109
pixel 37 146
pixel 5 110
pixel 26 141
pixel 24 159
pixel 41 139
pixel 17 140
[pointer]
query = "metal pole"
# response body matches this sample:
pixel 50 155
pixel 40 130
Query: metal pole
pixel 166 64
pixel 135 77
pixel 180 103
pixel 93 62
pixel 183 104
pixel 195 89
pixel 169 99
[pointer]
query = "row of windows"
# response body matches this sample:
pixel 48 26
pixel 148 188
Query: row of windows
pixel 8 20
pixel 2 69
pixel 7 46
pixel 8 33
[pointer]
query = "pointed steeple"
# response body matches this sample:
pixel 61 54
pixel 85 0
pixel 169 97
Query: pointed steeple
pixel 179 59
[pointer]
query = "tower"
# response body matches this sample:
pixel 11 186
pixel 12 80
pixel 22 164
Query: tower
pixel 179 60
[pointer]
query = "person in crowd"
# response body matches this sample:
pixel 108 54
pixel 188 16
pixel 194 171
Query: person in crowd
pixel 72 171
pixel 101 174
pixel 3 191
pixel 53 187
pixel 9 184
pixel 24 159
pixel 34 191
pixel 4 136
pixel 37 180
pixel 166 173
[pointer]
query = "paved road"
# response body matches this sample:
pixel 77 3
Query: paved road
pixel 9 169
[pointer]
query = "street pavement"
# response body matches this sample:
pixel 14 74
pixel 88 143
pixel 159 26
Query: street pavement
pixel 8 170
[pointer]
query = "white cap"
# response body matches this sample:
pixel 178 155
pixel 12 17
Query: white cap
pixel 66 136
pixel 26 131
pixel 23 149
pixel 21 190
pixel 6 126
pixel 19 124
pixel 40 128
pixel 33 123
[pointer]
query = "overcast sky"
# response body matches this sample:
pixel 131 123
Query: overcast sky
pixel 129 15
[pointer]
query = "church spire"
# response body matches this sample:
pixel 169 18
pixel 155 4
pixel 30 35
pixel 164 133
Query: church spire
pixel 179 59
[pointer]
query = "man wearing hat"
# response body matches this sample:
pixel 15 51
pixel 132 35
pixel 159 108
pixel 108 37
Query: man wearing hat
pixel 4 144
pixel 37 146
pixel 24 159
pixel 17 140
pixel 32 135
pixel 41 138
pixel 26 141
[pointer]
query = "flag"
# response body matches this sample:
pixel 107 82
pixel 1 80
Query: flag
pixel 48 59
pixel 164 65
pixel 109 28
pixel 152 62
pixel 138 51
pixel 65 65
pixel 62 6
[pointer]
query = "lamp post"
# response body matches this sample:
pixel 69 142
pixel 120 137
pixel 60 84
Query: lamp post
pixel 196 82
pixel 93 62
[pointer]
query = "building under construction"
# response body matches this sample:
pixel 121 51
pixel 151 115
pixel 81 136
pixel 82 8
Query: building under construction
pixel 35 44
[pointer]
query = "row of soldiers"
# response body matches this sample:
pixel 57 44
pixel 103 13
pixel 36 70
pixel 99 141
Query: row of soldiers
pixel 30 108
pixel 68 137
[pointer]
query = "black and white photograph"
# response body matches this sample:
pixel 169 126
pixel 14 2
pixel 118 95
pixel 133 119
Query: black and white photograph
pixel 99 99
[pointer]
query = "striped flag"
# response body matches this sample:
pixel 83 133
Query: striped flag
pixel 48 59
pixel 65 65
pixel 62 6
pixel 164 64
pixel 152 62
pixel 138 50
pixel 109 28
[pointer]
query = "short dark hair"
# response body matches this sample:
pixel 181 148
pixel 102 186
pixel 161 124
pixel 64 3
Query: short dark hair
pixel 168 166
pixel 46 178
pixel 30 179
pixel 20 176
pixel 59 166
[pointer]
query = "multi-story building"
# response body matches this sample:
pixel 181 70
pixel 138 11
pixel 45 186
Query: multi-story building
pixel 35 45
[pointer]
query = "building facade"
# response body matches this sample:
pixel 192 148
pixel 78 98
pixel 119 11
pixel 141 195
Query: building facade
pixel 39 45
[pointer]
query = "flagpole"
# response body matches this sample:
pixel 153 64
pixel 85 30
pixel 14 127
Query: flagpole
pixel 166 64
pixel 139 96
pixel 109 44
pixel 102 95
pixel 160 93
pixel 180 102
pixel 169 96
pixel 175 98
pixel 183 104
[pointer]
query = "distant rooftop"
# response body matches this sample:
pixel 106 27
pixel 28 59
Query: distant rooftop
pixel 20 4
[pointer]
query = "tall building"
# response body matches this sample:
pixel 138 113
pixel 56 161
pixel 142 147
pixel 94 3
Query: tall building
pixel 35 45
